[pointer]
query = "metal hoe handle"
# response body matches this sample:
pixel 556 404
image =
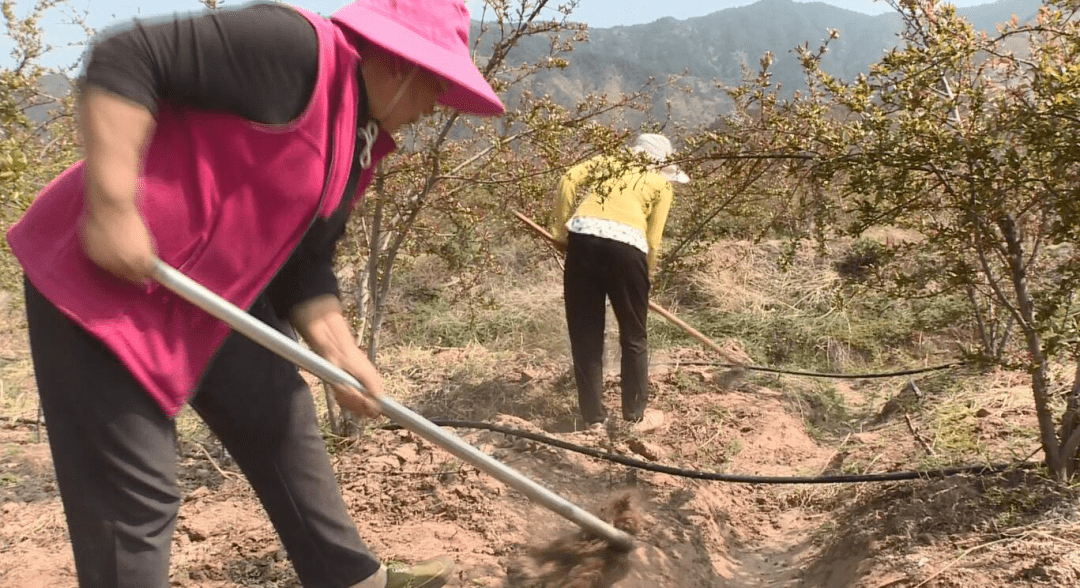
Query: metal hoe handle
pixel 286 347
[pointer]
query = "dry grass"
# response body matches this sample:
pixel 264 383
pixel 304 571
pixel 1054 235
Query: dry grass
pixel 509 311
pixel 477 383
pixel 741 277
pixel 989 417
pixel 799 314
pixel 887 235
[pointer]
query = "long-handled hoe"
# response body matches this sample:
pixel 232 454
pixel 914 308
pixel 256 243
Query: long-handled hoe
pixel 620 541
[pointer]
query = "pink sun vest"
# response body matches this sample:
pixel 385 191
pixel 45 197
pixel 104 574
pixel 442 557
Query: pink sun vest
pixel 226 200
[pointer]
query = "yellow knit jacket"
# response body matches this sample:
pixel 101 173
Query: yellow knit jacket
pixel 619 192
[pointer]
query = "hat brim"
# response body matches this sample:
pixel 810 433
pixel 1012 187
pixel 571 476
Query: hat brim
pixel 671 172
pixel 674 174
pixel 469 92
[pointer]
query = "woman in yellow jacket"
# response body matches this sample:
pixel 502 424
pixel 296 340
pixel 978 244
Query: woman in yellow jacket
pixel 612 241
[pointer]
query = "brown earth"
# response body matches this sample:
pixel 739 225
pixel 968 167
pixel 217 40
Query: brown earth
pixel 412 500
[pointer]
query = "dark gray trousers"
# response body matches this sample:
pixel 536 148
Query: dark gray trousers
pixel 598 268
pixel 114 453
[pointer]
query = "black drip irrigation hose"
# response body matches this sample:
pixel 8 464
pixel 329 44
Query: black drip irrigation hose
pixel 978 470
pixel 772 370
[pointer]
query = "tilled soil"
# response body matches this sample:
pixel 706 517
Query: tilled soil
pixel 412 500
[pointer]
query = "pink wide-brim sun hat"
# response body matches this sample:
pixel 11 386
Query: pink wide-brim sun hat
pixel 433 34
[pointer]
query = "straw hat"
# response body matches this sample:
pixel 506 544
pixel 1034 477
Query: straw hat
pixel 433 34
pixel 659 149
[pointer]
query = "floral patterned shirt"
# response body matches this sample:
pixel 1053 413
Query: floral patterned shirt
pixel 608 229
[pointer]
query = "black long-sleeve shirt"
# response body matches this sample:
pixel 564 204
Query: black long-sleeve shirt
pixel 259 62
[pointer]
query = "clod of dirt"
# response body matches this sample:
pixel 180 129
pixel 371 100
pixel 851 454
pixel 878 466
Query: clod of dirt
pixel 650 451
pixel 581 559
pixel 726 380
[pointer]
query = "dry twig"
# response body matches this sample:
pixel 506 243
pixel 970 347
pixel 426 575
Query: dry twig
pixel 918 436
pixel 830 465
pixel 213 462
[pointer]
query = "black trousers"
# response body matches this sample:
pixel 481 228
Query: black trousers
pixel 598 268
pixel 115 455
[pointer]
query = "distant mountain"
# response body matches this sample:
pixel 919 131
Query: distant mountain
pixel 716 46
pixel 56 85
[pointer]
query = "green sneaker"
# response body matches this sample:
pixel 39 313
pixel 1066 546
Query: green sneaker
pixel 426 574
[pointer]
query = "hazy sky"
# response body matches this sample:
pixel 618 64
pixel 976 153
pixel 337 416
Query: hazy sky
pixel 597 13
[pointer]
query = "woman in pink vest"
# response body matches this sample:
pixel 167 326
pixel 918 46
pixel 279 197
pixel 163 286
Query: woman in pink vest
pixel 233 146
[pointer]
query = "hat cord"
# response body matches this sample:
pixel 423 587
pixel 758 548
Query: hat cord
pixel 401 91
pixel 365 137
